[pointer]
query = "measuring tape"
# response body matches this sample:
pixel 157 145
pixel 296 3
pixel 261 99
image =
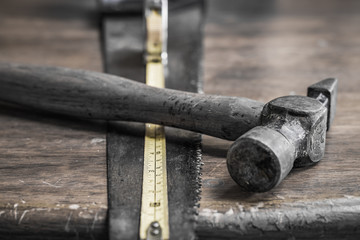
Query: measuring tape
pixel 154 219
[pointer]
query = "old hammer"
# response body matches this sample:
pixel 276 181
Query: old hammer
pixel 269 139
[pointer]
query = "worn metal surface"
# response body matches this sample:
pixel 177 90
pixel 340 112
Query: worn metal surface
pixel 123 47
pixel 124 6
pixel 136 6
pixel 122 41
pixel 326 92
pixel 293 132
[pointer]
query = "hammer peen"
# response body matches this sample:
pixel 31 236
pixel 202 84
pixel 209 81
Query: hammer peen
pixel 269 139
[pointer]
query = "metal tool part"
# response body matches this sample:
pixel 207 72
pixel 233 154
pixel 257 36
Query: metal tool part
pixel 137 6
pixel 156 25
pixel 154 217
pixel 123 46
pixel 123 55
pixel 293 131
pixel 122 6
pixel 154 232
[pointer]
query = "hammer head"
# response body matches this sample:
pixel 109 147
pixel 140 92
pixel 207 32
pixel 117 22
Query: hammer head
pixel 293 133
pixel 304 120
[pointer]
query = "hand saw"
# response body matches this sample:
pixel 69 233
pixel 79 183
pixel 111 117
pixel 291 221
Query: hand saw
pixel 124 35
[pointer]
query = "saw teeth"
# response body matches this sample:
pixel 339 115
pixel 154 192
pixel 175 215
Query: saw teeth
pixel 196 180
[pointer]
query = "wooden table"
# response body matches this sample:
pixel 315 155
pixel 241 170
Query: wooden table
pixel 53 169
pixel 264 51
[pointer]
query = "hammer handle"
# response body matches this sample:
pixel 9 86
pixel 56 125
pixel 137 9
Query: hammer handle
pixel 95 95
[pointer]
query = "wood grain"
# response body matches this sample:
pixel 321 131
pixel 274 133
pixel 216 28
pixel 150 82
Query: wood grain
pixel 52 168
pixel 264 52
pixel 95 95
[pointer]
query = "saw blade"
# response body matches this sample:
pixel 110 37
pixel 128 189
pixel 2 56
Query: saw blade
pixel 123 55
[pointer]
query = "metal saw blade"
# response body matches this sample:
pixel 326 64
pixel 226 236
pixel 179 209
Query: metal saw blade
pixel 123 55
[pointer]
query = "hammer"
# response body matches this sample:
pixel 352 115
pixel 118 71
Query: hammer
pixel 269 139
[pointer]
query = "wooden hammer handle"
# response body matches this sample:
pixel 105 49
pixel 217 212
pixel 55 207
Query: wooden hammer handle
pixel 95 95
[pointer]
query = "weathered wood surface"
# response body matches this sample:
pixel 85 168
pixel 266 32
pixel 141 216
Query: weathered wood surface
pixel 263 51
pixel 53 169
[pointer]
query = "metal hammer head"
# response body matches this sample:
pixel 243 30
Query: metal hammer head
pixel 292 132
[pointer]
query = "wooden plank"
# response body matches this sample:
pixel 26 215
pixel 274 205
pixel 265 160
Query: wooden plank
pixel 263 51
pixel 52 168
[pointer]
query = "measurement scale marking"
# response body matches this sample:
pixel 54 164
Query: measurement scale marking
pixel 154 205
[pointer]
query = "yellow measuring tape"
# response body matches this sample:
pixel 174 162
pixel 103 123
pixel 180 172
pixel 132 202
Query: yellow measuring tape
pixel 154 206
pixel 154 219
